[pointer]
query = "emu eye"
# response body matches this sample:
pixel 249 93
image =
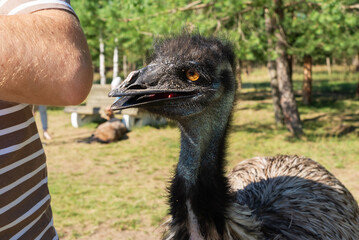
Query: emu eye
pixel 192 75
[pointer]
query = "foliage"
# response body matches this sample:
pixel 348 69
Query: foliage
pixel 88 13
pixel 321 28
pixel 137 23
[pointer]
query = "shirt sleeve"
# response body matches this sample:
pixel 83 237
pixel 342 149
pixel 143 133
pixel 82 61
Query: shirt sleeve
pixel 12 7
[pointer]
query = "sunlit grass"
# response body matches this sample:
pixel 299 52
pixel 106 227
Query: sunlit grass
pixel 341 80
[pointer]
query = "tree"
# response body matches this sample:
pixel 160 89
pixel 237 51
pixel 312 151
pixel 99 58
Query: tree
pixel 115 60
pixel 272 68
pixel 356 63
pixel 307 83
pixel 88 12
pixel 319 28
pixel 287 99
pixel 102 60
pixel 319 31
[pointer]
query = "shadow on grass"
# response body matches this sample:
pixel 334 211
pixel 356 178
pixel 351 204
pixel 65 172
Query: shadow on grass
pixel 324 125
pixel 254 107
pixel 327 86
pixel 259 85
pixel 322 89
pixel 262 131
pixel 321 107
pixel 351 118
pixel 315 128
pixel 255 95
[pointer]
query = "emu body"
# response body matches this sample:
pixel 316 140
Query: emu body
pixel 191 80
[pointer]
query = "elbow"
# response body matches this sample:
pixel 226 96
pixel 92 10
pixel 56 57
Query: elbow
pixel 81 71
pixel 74 74
pixel 80 83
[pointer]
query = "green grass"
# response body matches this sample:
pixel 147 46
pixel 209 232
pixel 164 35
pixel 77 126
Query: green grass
pixel 119 189
pixel 340 81
pixel 259 136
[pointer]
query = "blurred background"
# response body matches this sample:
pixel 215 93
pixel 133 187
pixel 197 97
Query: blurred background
pixel 298 75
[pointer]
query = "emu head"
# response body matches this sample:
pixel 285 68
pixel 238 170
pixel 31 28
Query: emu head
pixel 186 76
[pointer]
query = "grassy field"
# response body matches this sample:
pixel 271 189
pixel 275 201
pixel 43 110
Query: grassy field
pixel 117 191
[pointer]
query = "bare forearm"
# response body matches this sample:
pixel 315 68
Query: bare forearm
pixel 44 59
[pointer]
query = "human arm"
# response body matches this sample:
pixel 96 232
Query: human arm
pixel 44 59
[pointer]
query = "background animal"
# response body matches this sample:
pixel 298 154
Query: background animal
pixel 110 131
pixel 191 80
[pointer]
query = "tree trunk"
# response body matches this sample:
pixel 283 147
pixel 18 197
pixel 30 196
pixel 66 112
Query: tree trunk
pixel 239 62
pixel 125 71
pixel 278 112
pixel 329 67
pixel 248 68
pixel 307 83
pixel 287 98
pixel 102 61
pixel 115 60
pixel 239 74
pixel 271 65
pixel 131 66
pixel 356 63
pixel 290 62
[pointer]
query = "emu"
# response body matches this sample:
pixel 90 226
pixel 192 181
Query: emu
pixel 191 79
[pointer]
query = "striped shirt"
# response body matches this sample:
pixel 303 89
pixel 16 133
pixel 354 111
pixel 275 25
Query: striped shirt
pixel 25 211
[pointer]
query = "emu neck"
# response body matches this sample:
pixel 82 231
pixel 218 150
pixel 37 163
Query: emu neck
pixel 199 192
pixel 202 148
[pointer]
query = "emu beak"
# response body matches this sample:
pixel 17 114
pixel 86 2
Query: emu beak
pixel 142 88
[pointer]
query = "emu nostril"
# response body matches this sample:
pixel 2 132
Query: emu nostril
pixel 136 87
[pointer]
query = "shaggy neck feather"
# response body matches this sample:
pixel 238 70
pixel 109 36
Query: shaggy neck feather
pixel 199 191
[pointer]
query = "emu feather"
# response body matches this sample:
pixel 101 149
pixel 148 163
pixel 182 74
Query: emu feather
pixel 282 197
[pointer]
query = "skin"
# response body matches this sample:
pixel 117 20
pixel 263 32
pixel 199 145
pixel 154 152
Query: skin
pixel 44 59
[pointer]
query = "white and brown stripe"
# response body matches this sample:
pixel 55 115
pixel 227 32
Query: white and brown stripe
pixel 25 211
pixel 12 7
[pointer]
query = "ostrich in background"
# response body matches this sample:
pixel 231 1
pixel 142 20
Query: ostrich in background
pixel 190 79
